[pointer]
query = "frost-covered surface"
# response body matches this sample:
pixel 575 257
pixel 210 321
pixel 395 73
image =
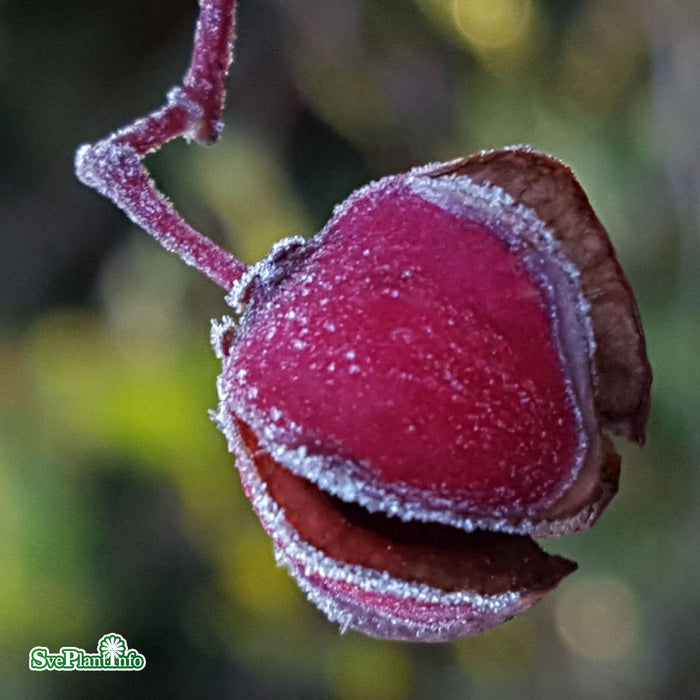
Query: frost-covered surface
pixel 384 362
pixel 115 170
pixel 114 165
pixel 273 268
pixel 372 601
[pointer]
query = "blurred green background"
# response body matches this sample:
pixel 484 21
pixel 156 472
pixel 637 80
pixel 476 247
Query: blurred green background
pixel 120 510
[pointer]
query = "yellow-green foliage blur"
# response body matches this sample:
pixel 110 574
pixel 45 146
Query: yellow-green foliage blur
pixel 120 509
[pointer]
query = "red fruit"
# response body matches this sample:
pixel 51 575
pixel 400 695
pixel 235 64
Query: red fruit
pixel 424 386
pixel 440 353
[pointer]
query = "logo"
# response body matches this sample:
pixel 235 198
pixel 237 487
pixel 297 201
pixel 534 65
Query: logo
pixel 113 654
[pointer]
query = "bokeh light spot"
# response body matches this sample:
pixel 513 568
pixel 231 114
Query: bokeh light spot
pixel 598 618
pixel 492 24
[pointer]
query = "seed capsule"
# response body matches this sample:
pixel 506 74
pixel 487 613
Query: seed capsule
pixel 425 385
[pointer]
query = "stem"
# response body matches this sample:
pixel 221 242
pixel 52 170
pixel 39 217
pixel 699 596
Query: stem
pixel 114 167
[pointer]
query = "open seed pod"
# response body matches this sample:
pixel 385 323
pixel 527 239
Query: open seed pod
pixel 425 385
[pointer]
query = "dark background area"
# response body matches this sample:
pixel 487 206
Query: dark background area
pixel 119 507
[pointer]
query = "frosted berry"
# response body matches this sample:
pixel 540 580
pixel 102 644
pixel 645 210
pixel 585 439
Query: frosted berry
pixel 436 355
pixel 419 390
